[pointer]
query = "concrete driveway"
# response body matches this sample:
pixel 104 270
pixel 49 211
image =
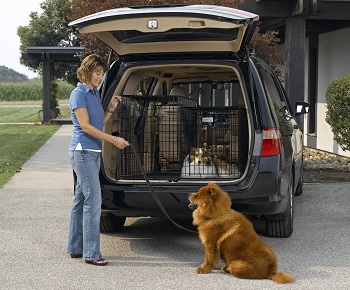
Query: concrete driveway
pixel 151 253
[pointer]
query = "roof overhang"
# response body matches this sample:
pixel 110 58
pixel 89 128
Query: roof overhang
pixel 52 53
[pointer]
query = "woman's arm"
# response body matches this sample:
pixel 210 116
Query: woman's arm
pixel 84 122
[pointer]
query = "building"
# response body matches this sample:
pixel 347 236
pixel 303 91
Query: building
pixel 315 36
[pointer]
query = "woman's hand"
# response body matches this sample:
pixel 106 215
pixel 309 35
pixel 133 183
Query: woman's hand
pixel 114 103
pixel 120 142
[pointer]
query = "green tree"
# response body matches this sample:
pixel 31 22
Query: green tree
pixel 10 75
pixel 50 29
pixel 338 111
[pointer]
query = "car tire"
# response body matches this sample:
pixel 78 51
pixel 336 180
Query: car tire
pixel 111 223
pixel 282 228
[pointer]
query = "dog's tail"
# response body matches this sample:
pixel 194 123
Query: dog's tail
pixel 282 278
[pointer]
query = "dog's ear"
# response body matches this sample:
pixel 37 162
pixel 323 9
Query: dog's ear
pixel 212 189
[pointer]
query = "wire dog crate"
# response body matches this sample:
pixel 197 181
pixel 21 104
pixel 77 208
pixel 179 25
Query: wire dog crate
pixel 175 138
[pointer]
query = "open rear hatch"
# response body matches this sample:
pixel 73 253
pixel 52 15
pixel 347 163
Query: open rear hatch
pixel 177 137
pixel 192 28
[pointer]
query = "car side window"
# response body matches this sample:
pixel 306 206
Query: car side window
pixel 279 106
pixel 282 93
pixel 273 90
pixel 270 87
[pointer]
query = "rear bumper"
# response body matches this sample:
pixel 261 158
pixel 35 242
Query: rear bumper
pixel 265 196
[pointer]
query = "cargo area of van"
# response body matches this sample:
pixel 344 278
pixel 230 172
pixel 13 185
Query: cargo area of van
pixel 175 138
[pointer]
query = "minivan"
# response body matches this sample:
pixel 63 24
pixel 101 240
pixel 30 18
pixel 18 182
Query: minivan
pixel 197 107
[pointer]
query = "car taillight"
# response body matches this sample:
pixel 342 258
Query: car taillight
pixel 272 142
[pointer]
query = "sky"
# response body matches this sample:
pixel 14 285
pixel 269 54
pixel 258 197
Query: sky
pixel 14 14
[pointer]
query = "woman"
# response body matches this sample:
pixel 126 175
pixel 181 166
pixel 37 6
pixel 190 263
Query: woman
pixel 85 155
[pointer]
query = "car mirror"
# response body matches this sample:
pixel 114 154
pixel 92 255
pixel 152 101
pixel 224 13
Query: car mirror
pixel 301 108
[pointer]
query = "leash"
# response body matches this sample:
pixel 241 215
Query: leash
pixel 155 196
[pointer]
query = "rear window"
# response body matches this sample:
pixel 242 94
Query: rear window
pixel 214 94
pixel 176 34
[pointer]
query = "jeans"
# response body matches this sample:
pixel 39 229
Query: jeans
pixel 84 226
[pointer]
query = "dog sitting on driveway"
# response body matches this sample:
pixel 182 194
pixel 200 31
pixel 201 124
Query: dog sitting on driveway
pixel 229 235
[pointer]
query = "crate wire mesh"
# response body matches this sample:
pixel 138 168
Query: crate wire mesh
pixel 175 138
pixel 220 148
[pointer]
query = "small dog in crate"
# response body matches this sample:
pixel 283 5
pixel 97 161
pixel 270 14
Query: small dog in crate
pixel 198 163
pixel 219 155
pixel 222 167
pixel 200 156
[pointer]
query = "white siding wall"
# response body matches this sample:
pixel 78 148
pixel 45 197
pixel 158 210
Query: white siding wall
pixel 333 63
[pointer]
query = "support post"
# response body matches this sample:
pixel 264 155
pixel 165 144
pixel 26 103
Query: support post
pixel 295 60
pixel 47 77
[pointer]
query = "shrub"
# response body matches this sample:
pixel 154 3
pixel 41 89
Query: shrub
pixel 338 111
pixel 54 107
pixel 55 111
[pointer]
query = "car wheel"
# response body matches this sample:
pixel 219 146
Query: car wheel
pixel 299 190
pixel 110 223
pixel 282 228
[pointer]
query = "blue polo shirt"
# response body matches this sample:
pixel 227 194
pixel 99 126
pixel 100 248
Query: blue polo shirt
pixel 83 97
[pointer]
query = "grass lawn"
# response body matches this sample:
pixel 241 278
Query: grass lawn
pixel 16 113
pixel 18 143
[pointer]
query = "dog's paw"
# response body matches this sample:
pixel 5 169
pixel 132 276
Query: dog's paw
pixel 201 270
pixel 225 269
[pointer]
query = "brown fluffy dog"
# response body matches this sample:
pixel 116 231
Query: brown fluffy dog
pixel 229 235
